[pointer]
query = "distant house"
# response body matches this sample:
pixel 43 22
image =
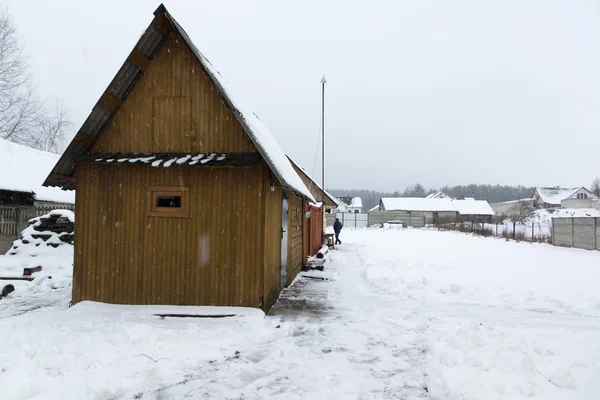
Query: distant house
pixel 439 209
pixel 350 204
pixel 183 195
pixel 22 173
pixel 438 195
pixel 553 197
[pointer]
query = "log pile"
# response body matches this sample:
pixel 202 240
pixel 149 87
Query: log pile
pixel 54 229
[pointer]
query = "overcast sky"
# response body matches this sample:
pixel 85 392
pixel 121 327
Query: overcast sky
pixel 436 92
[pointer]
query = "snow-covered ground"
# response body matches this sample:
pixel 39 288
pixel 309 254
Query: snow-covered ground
pixel 402 313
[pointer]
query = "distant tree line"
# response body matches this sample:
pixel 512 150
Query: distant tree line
pixel 491 193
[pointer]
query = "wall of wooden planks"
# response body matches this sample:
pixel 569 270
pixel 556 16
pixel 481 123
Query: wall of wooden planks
pixel 316 230
pixel 228 252
pixel 175 107
pixel 295 239
pixel 214 257
pixel 272 244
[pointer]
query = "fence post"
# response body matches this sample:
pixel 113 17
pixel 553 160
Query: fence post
pixel 496 228
pixel 572 232
pixel 514 230
pixel 532 232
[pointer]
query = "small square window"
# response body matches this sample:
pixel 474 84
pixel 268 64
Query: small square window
pixel 168 201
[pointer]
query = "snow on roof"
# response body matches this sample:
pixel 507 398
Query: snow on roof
pixel 256 130
pixel 554 195
pixel 24 169
pixel 464 207
pixel 526 200
pixel 332 197
pixel 438 195
pixel 356 202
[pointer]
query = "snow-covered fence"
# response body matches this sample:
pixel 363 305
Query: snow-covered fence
pixel 530 231
pixel 579 232
pixel 414 219
pixel 352 220
pixel 14 219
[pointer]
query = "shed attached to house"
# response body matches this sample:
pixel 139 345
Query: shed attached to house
pixel 183 195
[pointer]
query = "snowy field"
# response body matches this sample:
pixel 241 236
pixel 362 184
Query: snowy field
pixel 403 313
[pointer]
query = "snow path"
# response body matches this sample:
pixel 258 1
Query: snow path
pixel 353 342
pixel 402 314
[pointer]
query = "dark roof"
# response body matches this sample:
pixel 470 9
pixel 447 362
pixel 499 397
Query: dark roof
pixel 122 85
pixel 177 159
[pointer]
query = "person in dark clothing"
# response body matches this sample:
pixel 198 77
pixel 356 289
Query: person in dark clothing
pixel 337 228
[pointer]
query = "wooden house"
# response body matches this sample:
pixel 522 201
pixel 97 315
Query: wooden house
pixel 183 195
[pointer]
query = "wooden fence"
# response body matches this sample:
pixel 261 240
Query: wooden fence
pixel 14 219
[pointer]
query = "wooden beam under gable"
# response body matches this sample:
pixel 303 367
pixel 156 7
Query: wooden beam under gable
pixel 61 178
pixel 84 137
pixel 138 59
pixel 110 102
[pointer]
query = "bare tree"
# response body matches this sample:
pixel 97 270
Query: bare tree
pixel 596 187
pixel 521 211
pixel 23 117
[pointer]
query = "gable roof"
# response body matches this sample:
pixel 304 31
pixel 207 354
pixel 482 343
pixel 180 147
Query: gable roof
pixel 24 169
pixel 463 207
pixel 554 195
pixel 438 195
pixel 123 84
pixel 330 200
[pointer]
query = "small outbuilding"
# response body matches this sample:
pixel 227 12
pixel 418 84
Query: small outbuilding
pixel 440 209
pixel 183 195
pixel 22 173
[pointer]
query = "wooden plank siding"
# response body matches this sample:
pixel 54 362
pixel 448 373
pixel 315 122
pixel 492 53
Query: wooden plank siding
pixel 174 107
pixel 228 250
pixel 295 238
pixel 272 244
pixel 214 257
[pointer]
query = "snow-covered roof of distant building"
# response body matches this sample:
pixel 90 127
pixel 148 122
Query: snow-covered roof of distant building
pixel 438 195
pixel 354 202
pixel 464 207
pixel 554 195
pixel 526 200
pixel 24 169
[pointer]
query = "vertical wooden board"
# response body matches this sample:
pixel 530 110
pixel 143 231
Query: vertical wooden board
pixel 94 229
pixel 80 238
pixel 230 225
pixel 147 265
pixel 108 223
pixel 214 240
pixel 118 227
pixel 246 206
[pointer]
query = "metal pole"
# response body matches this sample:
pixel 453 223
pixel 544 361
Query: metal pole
pixel 323 82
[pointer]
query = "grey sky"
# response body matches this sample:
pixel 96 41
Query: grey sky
pixel 437 92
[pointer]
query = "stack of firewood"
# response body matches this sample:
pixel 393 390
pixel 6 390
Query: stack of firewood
pixel 53 229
